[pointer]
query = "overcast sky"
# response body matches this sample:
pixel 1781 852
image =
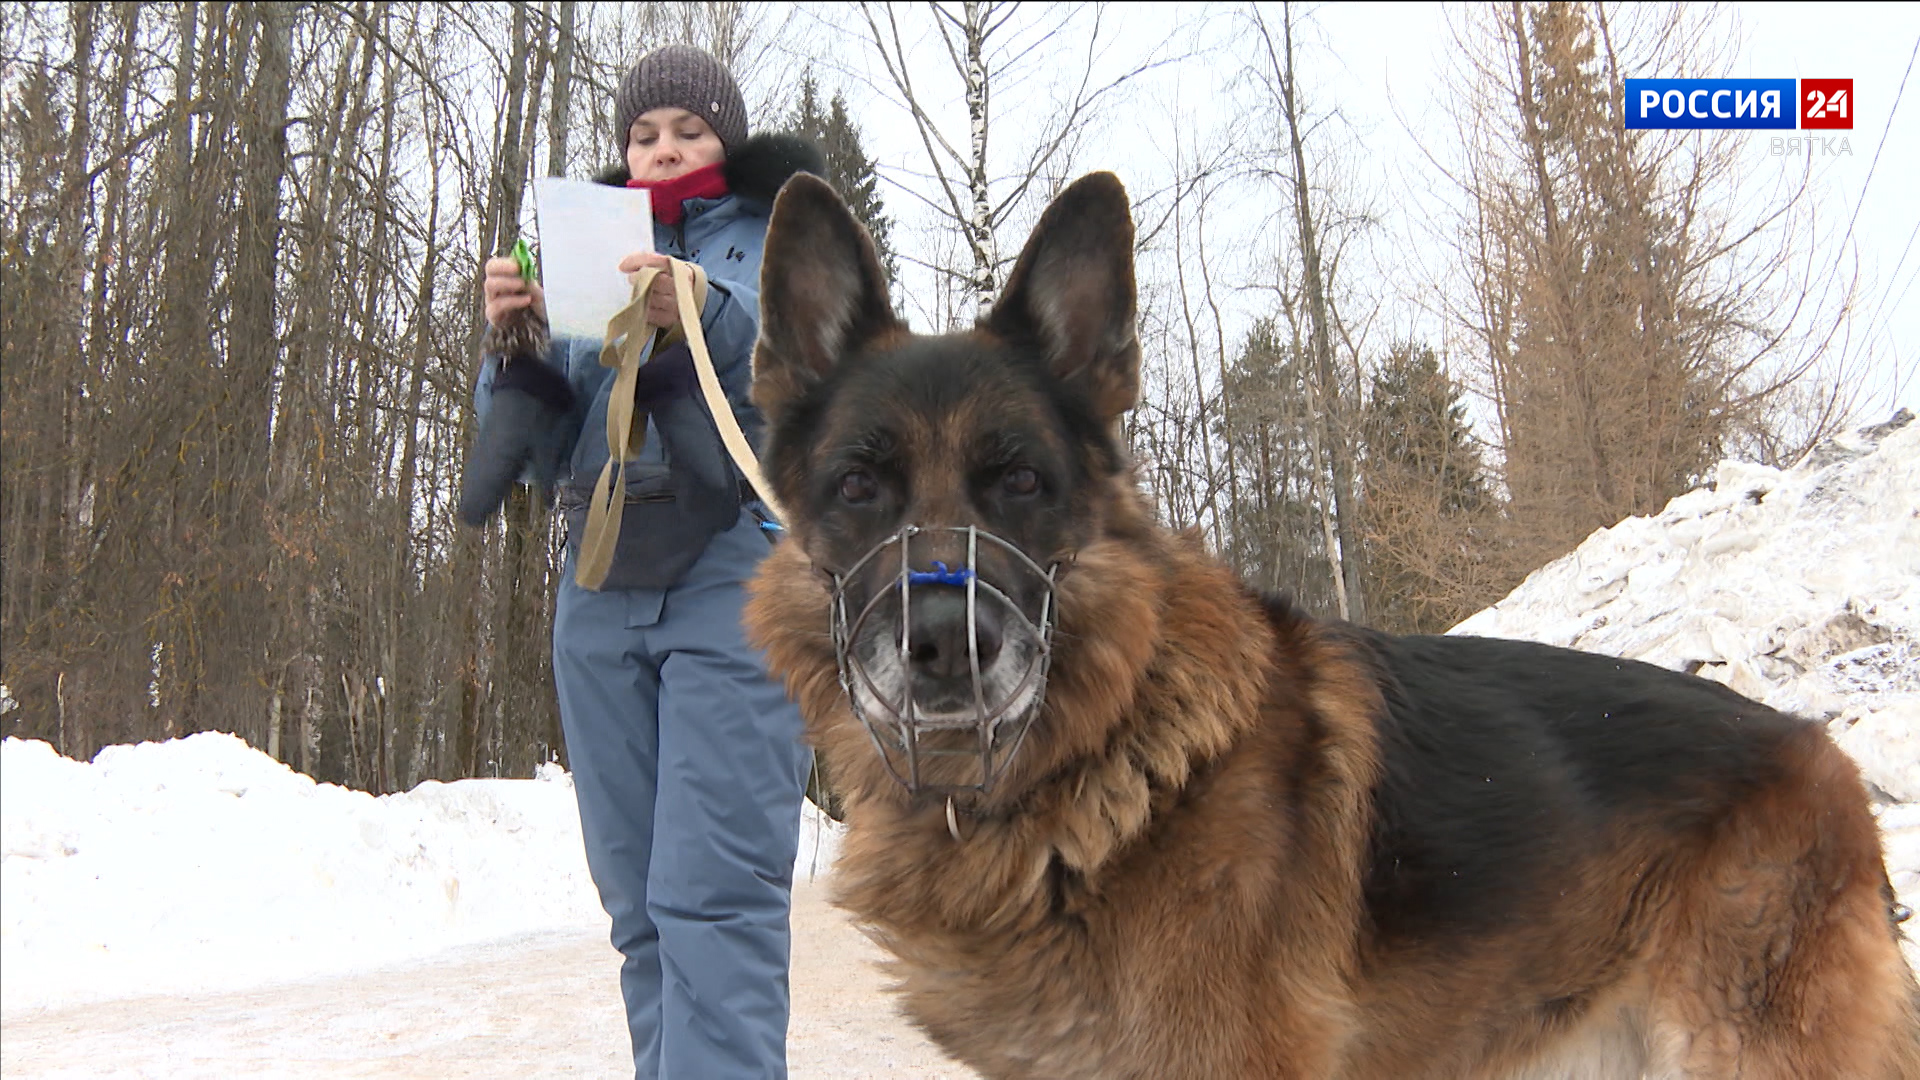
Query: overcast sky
pixel 1381 64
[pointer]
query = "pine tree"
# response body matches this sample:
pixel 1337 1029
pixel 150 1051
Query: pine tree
pixel 849 169
pixel 1277 534
pixel 1426 500
pixel 1417 422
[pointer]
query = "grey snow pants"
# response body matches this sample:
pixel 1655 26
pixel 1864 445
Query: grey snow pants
pixel 689 769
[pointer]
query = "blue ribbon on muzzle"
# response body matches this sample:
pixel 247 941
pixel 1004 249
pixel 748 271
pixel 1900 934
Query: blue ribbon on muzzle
pixel 940 575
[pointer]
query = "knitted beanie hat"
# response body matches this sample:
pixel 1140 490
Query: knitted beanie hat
pixel 682 77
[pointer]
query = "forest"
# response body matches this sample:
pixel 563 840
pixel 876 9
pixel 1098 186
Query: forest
pixel 240 250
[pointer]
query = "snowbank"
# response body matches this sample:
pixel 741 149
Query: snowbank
pixel 201 863
pixel 1799 588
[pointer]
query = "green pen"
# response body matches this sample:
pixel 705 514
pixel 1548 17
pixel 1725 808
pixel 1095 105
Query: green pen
pixel 524 335
pixel 523 258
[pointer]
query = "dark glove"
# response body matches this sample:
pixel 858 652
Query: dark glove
pixel 530 401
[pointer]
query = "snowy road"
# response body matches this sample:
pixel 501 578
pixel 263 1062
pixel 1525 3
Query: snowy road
pixel 542 1005
pixel 537 1006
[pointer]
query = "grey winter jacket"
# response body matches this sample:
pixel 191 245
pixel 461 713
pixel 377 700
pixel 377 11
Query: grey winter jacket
pixel 725 237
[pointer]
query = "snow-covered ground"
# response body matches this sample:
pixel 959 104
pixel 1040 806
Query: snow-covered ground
pixel 195 908
pixel 1799 588
pixel 201 864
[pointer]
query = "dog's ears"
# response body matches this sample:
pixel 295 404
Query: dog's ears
pixel 1073 292
pixel 822 292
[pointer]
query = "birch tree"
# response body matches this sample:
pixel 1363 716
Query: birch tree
pixel 977 179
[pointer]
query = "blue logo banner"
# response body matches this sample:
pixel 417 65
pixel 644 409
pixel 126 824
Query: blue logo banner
pixel 1711 104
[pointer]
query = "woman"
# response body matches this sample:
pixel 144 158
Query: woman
pixel 686 757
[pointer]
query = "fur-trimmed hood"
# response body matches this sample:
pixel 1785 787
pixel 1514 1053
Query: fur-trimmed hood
pixel 756 170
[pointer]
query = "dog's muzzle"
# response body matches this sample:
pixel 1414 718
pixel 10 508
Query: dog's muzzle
pixel 975 652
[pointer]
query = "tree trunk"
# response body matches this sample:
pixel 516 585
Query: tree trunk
pixel 980 224
pixel 560 117
pixel 1338 439
pixel 79 673
pixel 253 365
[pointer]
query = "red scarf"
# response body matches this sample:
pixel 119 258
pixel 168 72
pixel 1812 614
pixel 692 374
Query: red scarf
pixel 708 182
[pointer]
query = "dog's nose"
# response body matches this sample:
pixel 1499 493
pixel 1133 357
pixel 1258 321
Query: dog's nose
pixel 937 632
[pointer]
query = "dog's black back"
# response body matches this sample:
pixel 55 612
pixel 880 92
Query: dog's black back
pixel 1500 757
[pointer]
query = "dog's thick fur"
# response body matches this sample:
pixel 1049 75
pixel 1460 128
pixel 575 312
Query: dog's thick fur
pixel 1242 843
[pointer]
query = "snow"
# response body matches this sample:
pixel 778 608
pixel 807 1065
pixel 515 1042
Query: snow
pixel 194 908
pixel 1799 588
pixel 201 863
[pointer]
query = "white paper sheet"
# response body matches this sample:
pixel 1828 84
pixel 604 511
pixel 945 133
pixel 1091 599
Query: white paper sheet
pixel 585 230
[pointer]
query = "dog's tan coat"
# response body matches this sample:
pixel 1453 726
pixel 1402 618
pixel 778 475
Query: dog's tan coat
pixel 1169 881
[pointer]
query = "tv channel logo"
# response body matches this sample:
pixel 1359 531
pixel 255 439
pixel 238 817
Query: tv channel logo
pixel 1739 104
pixel 1826 104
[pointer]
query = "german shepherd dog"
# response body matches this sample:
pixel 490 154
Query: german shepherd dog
pixel 1116 815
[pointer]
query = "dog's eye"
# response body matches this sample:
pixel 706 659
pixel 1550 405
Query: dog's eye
pixel 1021 480
pixel 859 487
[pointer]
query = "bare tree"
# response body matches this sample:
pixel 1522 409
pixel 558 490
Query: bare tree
pixel 560 118
pixel 977 184
pixel 239 244
pixel 1634 324
pixel 1309 308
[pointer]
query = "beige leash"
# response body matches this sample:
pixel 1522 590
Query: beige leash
pixel 627 337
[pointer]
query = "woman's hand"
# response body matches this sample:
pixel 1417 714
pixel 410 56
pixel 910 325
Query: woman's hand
pixel 507 292
pixel 663 307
